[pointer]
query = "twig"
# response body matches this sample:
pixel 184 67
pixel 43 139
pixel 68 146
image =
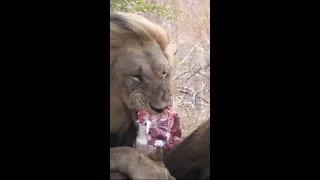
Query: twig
pixel 181 74
pixel 130 6
pixel 196 92
pixel 205 36
pixel 186 90
pixel 203 75
pixel 192 75
pixel 191 51
pixel 184 72
pixel 181 36
pixel 203 99
pixel 207 66
pixel 176 52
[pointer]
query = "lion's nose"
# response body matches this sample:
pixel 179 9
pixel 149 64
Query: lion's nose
pixel 158 109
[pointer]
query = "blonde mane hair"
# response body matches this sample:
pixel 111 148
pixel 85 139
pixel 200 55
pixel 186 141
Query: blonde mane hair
pixel 127 26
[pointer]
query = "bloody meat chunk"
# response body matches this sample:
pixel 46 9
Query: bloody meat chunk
pixel 164 127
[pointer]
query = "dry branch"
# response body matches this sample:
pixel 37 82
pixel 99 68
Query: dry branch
pixel 184 72
pixel 130 7
pixel 191 51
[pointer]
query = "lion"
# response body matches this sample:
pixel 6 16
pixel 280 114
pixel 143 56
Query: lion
pixel 141 69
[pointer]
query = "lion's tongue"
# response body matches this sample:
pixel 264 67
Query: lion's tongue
pixel 163 129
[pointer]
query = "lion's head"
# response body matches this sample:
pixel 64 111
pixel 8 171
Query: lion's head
pixel 141 68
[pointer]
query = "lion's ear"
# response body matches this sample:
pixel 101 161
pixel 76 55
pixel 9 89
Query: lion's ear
pixel 172 49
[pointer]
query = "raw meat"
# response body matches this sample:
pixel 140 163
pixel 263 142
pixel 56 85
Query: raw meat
pixel 160 130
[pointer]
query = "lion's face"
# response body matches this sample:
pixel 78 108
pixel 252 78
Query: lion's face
pixel 141 74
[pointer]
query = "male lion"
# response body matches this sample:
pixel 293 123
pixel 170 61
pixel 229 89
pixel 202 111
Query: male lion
pixel 141 70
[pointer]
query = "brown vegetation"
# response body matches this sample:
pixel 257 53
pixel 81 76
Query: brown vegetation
pixel 192 38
